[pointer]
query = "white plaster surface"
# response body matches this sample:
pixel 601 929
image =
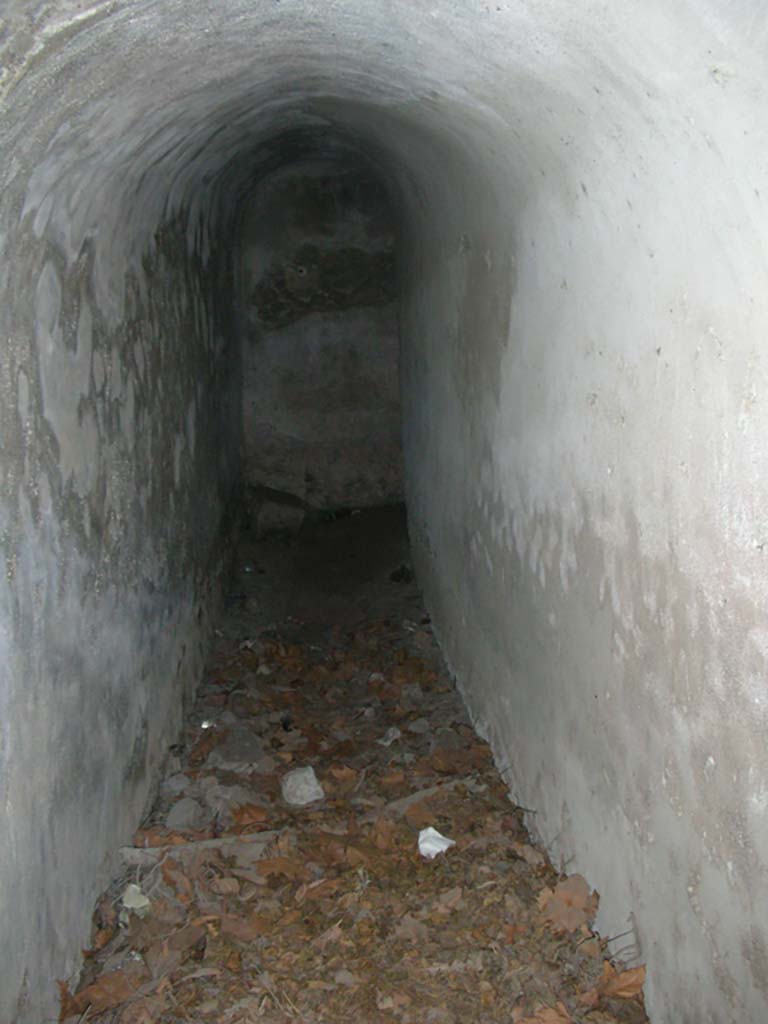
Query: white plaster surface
pixel 584 248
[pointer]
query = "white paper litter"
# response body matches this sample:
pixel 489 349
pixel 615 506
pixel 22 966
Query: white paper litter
pixel 431 842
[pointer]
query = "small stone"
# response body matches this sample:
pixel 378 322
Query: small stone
pixel 222 800
pixel 176 784
pixel 446 739
pixel 419 726
pixel 346 978
pixel 300 787
pixel 411 696
pixel 186 813
pixel 389 737
pixel 241 751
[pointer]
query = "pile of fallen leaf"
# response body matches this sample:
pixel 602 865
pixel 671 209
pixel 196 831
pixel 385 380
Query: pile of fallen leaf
pixel 235 906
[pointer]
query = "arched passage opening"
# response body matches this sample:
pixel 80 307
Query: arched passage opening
pixel 317 298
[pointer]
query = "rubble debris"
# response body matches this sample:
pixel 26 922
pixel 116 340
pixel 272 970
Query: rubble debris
pixel 186 813
pixel 300 787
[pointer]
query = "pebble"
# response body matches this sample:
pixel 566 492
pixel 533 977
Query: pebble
pixel 186 813
pixel 419 726
pixel 389 737
pixel 300 787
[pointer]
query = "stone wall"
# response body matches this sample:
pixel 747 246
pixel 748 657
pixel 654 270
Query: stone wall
pixel 320 336
pixel 580 193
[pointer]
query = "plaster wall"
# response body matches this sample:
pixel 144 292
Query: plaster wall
pixel 321 392
pixel 583 238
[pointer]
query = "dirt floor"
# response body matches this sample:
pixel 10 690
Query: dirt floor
pixel 287 871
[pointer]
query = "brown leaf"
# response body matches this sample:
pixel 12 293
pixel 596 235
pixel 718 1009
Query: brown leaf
pixel 334 852
pixel 412 930
pixel 569 905
pixel 345 778
pixel 419 815
pixel 157 836
pixel 225 886
pixel 106 993
pixel 450 762
pixel 234 962
pixel 318 890
pixel 396 778
pixel 358 856
pixel 620 984
pixel 513 932
pixel 142 1011
pixel 245 929
pixel 205 745
pixel 185 938
pixel 533 857
pixel 249 814
pixel 449 901
pixel 328 937
pixel 65 1001
pixel 100 938
pixel 161 959
pixel 383 834
pixel 549 1015
pixel 280 866
pixel 177 879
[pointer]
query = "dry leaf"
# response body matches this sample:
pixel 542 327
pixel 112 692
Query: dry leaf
pixel 205 745
pixel 450 762
pixel 142 1011
pixel 513 932
pixel 328 937
pixel 449 901
pixel 225 886
pixel 161 959
pixel 358 856
pixel 620 984
pixel 249 814
pixel 412 930
pixel 569 905
pixel 318 890
pixel 176 878
pixel 419 815
pixel 234 962
pixel 245 929
pixel 549 1015
pixel 100 938
pixel 535 858
pixel 393 779
pixel 106 993
pixel 157 836
pixel 280 866
pixel 345 778
pixel 383 834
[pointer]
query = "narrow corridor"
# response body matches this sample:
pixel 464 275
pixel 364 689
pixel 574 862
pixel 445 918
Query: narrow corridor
pixel 279 876
pixel 505 263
